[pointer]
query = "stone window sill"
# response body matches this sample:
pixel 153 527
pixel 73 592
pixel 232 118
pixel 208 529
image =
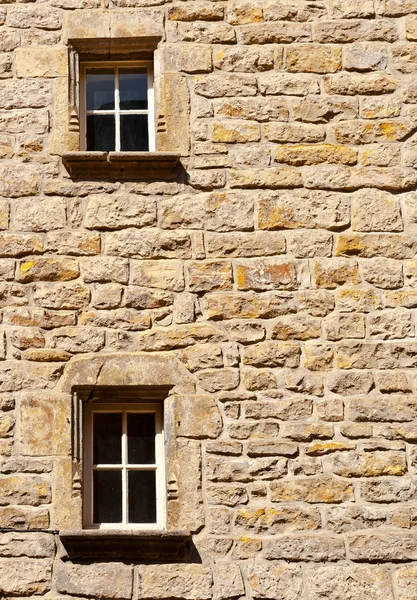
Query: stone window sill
pixel 144 546
pixel 122 166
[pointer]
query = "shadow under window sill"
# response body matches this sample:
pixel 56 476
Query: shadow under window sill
pixel 145 546
pixel 122 166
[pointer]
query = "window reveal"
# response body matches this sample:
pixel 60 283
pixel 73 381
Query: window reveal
pixel 124 466
pixel 117 107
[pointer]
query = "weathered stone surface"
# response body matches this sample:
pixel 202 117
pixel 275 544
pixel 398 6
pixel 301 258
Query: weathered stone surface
pixel 48 269
pixel 273 520
pixel 267 274
pixel 344 581
pixel 272 354
pixel 382 546
pixel 179 337
pixel 166 275
pixel 21 489
pixel 306 547
pixel 101 580
pixel 197 417
pixel 321 489
pixel 115 212
pixel 15 375
pixel 191 582
pixel 249 305
pixel 276 581
pixel 225 211
pixel 25 576
pixel 148 243
pixel 373 210
pixel 350 464
pixel 387 408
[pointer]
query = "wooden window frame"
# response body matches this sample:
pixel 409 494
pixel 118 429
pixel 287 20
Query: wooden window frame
pixel 159 467
pixel 116 65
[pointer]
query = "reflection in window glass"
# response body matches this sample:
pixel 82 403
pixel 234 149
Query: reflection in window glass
pixel 142 497
pixel 141 438
pixel 107 494
pixel 107 447
pixel 134 133
pixel 133 89
pixel 100 89
pixel 101 133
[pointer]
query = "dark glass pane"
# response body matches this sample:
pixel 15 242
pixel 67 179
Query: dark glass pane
pixel 133 89
pixel 141 438
pixel 107 445
pixel 100 89
pixel 134 133
pixel 142 496
pixel 107 496
pixel 101 133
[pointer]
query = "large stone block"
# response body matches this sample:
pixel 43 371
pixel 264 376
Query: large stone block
pixel 44 424
pixel 25 576
pixel 188 582
pixel 42 61
pixel 349 581
pixel 276 581
pixel 99 580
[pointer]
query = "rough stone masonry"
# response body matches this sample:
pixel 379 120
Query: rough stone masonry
pixel 281 274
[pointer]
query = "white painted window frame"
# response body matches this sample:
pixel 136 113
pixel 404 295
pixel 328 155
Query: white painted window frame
pixel 117 112
pixel 158 467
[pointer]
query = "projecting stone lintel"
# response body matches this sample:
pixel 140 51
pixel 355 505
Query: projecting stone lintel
pixel 144 546
pixel 122 166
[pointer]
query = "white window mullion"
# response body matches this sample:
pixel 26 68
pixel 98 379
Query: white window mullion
pixel 117 108
pixel 151 111
pixel 124 470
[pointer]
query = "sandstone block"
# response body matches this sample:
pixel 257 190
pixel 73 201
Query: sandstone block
pixel 355 30
pixel 205 33
pixel 369 464
pixel 114 212
pixel 218 211
pixel 267 274
pixel 22 181
pixel 373 210
pixel 189 582
pixel 312 244
pixel 274 520
pixel 242 245
pixel 411 27
pixel 76 340
pixel 228 581
pixel 318 109
pixel 318 303
pixel 319 357
pixel 294 11
pixel 388 490
pixel 365 57
pixel 179 337
pixel 99 580
pixel 209 275
pixel 272 354
pixel 296 327
pixel 217 86
pixel 242 13
pixel 197 417
pixel 273 33
pixel 148 243
pixel 366 132
pixel 41 61
pixel 396 408
pixel 343 9
pixel 19 244
pixel 196 12
pixel 122 318
pixel 25 576
pixel 235 132
pixel 45 214
pixel 231 469
pixel 293 133
pixel 288 84
pixel 219 379
pixel 321 489
pixel 24 94
pixel 352 84
pixel 341 326
pixel 253 108
pixel 78 243
pixel 187 58
pixel 363 300
pixel 249 305
pixel 341 581
pixel 105 269
pixel 166 275
pixel 24 489
pixel 313 58
pixel 368 246
pixel 290 408
pixel 48 269
pixel 306 432
pixel 388 325
pixel 349 384
pixel 265 448
pixel 382 546
pixel 329 273
pixel 312 155
pixel 276 581
pixel 23 17
pixel 271 178
pixel 18 544
pixel 300 209
pixel 61 296
pixel 307 547
pixel 243 59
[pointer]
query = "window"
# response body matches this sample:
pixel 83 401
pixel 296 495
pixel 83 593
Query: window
pixel 117 107
pixel 124 479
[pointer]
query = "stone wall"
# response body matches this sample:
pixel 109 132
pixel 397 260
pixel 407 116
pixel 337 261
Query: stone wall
pixel 282 274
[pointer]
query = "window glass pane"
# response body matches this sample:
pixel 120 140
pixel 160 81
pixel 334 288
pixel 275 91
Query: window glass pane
pixel 141 438
pixel 142 496
pixel 134 133
pixel 133 89
pixel 100 89
pixel 107 494
pixel 107 444
pixel 101 133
